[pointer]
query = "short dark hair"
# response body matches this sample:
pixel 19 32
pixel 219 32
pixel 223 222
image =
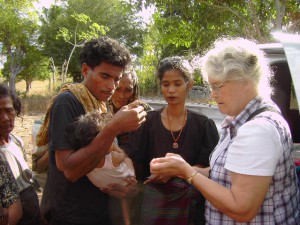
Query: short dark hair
pixel 104 49
pixel 5 92
pixel 85 128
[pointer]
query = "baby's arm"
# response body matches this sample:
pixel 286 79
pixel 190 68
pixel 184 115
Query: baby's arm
pixel 117 155
pixel 101 163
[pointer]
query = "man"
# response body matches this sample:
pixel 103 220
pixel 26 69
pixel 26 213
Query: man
pixel 73 198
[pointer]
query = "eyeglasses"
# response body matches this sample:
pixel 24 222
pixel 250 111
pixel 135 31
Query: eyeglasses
pixel 216 87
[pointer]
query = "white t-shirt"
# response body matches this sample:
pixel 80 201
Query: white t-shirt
pixel 254 151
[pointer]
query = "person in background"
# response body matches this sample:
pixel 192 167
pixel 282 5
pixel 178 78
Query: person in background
pixel 126 93
pixel 73 199
pixel 11 151
pixel 252 173
pixel 10 205
pixel 173 128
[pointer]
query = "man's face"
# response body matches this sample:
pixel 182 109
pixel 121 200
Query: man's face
pixel 102 80
pixel 7 116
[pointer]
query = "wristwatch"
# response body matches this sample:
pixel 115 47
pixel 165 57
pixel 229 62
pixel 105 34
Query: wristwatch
pixel 190 179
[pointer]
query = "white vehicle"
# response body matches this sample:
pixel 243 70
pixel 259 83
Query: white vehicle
pixel 285 61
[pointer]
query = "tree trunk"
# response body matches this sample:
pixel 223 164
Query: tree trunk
pixel 15 69
pixel 12 83
pixel 28 85
pixel 280 11
pixel 53 68
pixel 67 66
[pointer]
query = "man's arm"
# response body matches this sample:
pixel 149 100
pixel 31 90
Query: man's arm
pixel 76 164
pixel 42 164
pixel 15 212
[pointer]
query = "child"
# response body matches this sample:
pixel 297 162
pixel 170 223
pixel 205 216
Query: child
pixel 115 167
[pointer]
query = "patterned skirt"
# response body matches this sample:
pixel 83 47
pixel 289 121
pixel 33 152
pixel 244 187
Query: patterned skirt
pixel 175 202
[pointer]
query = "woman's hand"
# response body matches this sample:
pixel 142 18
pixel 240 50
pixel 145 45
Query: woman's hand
pixel 158 178
pixel 120 191
pixel 3 216
pixel 171 165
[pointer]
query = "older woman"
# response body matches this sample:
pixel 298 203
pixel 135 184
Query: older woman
pixel 253 178
pixel 126 92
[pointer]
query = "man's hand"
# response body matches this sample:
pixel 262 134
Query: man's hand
pixel 129 117
pixel 120 191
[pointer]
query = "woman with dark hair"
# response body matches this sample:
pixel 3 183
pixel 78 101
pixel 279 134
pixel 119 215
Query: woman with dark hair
pixel 11 150
pixel 173 128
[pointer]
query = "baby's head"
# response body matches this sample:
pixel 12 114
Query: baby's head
pixel 85 128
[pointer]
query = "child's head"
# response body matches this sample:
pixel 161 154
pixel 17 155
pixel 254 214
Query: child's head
pixel 85 128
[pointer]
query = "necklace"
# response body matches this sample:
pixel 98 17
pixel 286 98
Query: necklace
pixel 175 144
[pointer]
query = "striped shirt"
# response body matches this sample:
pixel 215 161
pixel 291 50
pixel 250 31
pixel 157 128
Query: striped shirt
pixel 282 202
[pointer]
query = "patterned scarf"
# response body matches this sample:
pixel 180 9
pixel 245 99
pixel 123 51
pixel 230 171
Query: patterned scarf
pixel 83 95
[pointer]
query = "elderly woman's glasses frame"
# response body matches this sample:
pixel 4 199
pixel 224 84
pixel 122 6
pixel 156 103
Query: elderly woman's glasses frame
pixel 216 87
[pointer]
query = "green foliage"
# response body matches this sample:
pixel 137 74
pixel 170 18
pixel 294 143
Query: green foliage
pixel 188 27
pixel 82 19
pixel 38 66
pixel 148 63
pixel 18 29
pixel 82 30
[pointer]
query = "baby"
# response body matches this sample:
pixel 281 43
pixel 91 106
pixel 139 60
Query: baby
pixel 115 167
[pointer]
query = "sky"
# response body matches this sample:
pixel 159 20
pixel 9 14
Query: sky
pixel 43 3
pixel 146 13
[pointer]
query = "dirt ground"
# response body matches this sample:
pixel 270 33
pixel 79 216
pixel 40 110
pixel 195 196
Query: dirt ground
pixel 23 129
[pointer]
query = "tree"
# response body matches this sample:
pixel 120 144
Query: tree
pixel 188 27
pixel 17 33
pixel 37 67
pixel 115 17
pixel 194 25
pixel 84 30
pixel 148 63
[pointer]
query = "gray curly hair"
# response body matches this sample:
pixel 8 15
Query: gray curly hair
pixel 238 59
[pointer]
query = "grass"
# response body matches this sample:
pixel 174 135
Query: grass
pixel 36 101
pixel 37 87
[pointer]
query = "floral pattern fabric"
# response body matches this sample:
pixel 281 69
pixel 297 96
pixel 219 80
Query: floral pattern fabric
pixel 8 187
